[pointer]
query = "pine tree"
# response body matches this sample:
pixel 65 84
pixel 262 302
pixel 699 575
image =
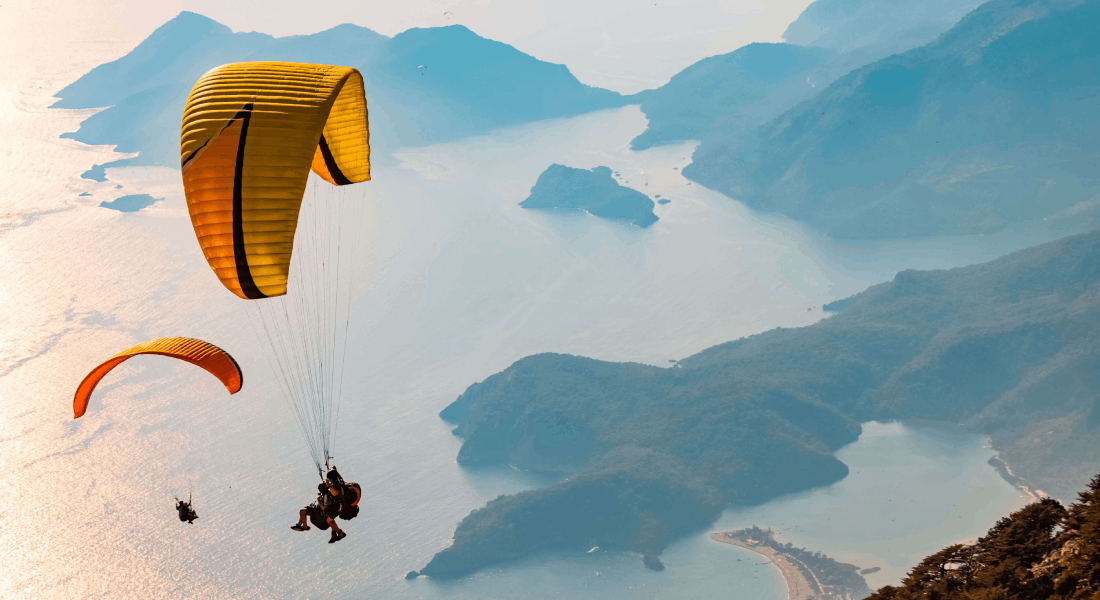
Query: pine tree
pixel 1016 544
pixel 1079 578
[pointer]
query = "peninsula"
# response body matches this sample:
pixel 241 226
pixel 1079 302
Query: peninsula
pixel 649 453
pixel 595 192
pixel 809 575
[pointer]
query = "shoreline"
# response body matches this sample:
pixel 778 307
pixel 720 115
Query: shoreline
pixel 798 587
pixel 1005 471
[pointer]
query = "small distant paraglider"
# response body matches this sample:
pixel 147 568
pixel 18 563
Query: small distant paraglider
pixel 202 354
pixel 186 512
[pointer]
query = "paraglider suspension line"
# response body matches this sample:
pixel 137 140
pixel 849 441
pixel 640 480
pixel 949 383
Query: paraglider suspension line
pixel 302 329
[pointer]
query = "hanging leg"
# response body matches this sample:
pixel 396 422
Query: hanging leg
pixel 301 526
pixel 337 534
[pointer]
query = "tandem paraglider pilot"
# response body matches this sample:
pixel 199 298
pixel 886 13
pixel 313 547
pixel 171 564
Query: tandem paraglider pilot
pixel 334 499
pixel 187 513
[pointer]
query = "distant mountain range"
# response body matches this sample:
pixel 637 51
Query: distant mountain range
pixel 730 94
pixel 891 26
pixel 432 85
pixel 423 85
pixel 1011 348
pixel 722 98
pixel 992 126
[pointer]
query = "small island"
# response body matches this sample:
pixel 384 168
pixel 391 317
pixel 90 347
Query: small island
pixel 595 192
pixel 131 203
pixel 808 574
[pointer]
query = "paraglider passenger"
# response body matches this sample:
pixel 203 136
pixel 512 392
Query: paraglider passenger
pixel 186 512
pixel 324 511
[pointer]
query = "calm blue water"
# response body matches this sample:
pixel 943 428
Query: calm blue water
pixel 456 282
pixel 912 490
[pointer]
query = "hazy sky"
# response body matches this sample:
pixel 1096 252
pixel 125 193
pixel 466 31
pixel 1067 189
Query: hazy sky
pixel 625 45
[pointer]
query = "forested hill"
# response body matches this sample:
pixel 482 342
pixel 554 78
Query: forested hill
pixel 422 85
pixel 722 98
pixel 1041 552
pixel 1010 347
pixel 730 94
pixel 893 25
pixel 594 191
pixel 991 126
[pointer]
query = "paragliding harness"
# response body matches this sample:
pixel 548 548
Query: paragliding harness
pixel 349 507
pixel 187 513
pixel 345 505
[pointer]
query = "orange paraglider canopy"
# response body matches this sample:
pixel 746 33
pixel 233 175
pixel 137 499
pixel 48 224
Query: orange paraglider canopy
pixel 197 352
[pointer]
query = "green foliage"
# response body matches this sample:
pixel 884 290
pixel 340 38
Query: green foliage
pixel 1040 552
pixel 632 498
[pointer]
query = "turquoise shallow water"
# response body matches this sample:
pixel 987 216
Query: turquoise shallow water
pixel 913 489
pixel 455 284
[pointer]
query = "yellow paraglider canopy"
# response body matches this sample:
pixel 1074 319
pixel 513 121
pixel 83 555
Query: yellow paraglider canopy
pixel 197 352
pixel 251 133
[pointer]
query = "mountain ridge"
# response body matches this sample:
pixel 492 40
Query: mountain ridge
pixel 987 128
pixel 429 84
pixel 722 98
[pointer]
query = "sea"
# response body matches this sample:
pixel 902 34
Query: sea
pixel 454 283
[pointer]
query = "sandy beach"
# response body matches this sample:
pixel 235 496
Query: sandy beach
pixel 1022 484
pixel 798 587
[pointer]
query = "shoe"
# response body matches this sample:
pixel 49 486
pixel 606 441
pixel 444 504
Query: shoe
pixel 300 527
pixel 337 536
